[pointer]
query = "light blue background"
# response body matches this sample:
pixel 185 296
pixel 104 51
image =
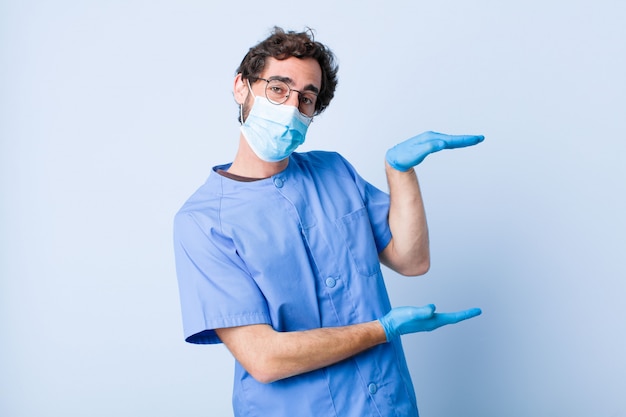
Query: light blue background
pixel 113 112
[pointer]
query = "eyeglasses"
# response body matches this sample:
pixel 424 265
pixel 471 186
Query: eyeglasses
pixel 278 92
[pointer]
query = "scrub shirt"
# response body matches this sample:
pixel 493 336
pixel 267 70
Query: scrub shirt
pixel 297 251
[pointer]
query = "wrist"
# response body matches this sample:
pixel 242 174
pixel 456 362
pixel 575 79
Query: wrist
pixel 386 329
pixel 389 166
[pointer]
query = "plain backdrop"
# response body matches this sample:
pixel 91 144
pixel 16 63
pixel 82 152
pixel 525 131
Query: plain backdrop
pixel 113 112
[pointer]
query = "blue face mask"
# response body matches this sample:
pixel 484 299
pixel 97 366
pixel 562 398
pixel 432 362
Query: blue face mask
pixel 274 131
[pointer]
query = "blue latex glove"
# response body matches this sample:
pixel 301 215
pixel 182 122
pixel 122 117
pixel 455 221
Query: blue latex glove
pixel 403 320
pixel 411 152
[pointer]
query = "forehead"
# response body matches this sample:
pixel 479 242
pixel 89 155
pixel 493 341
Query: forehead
pixel 303 71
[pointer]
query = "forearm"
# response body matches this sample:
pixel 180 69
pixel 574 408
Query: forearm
pixel 408 252
pixel 269 355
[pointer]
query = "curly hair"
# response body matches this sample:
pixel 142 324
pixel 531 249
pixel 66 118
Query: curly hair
pixel 282 45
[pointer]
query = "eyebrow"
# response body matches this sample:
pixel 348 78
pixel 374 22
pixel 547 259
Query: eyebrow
pixel 289 81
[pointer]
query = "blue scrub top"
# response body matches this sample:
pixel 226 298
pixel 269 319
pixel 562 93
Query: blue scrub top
pixel 296 251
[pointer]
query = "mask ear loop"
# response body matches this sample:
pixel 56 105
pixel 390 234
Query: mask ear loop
pixel 250 87
pixel 241 105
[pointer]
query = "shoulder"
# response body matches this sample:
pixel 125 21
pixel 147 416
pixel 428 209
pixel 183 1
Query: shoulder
pixel 316 156
pixel 203 203
pixel 325 161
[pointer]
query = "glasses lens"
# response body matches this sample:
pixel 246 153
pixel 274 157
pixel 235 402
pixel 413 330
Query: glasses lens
pixel 277 91
pixel 307 103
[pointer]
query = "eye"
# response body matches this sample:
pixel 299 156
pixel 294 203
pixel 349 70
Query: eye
pixel 308 99
pixel 277 89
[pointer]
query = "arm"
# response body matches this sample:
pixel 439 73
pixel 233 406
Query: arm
pixel 269 355
pixel 408 252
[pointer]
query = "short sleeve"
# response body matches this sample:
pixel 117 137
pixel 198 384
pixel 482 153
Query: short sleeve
pixel 216 290
pixel 376 202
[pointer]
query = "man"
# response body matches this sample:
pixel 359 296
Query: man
pixel 278 254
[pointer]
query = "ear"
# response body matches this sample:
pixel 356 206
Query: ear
pixel 240 90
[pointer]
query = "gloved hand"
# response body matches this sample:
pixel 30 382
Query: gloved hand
pixel 403 320
pixel 411 152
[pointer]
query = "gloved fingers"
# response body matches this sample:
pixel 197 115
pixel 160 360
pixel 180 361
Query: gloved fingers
pixel 427 147
pixel 461 141
pixel 403 320
pixel 465 314
pixel 443 319
pixel 413 151
pixel 449 141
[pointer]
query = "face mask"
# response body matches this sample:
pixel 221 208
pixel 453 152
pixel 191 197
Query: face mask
pixel 274 131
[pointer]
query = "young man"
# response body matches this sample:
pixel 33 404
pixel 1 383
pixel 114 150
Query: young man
pixel 278 254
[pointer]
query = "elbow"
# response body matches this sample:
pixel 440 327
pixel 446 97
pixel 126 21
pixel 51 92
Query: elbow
pixel 409 268
pixel 413 266
pixel 263 376
pixel 414 269
pixel 257 351
pixel 422 268
pixel 263 371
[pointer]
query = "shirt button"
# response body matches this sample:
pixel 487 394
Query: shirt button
pixel 278 182
pixel 372 388
pixel 331 282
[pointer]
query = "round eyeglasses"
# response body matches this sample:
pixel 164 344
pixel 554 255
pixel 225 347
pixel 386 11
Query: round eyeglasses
pixel 278 92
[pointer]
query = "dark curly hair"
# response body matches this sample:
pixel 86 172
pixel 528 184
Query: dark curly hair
pixel 282 45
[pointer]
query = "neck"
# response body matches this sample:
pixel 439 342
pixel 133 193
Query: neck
pixel 247 164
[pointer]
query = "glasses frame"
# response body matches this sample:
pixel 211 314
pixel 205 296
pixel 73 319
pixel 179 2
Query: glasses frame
pixel 289 89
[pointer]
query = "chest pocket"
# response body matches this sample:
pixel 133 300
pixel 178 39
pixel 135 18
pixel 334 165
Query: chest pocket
pixel 356 230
